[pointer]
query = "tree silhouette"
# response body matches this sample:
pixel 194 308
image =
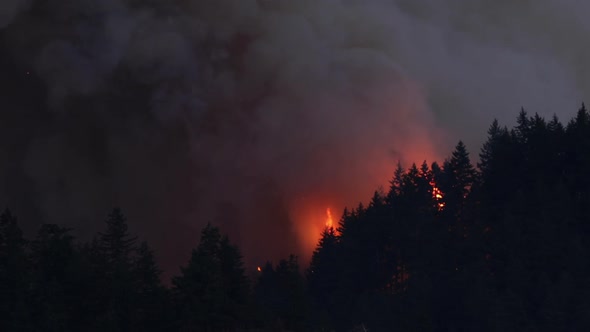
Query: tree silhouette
pixel 323 270
pixel 116 247
pixel 212 288
pixel 116 243
pixel 501 247
pixel 151 306
pixel 56 280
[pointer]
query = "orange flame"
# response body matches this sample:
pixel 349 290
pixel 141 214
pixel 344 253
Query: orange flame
pixel 329 220
pixel 437 194
pixel 259 269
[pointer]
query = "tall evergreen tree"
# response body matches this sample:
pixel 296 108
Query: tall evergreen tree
pixel 56 279
pixel 294 302
pixel 267 297
pixel 489 148
pixel 117 247
pixel 458 177
pixel 211 291
pixel 395 185
pixel 116 242
pixel 460 173
pixel 523 126
pixel 324 277
pixel 236 284
pixel 151 308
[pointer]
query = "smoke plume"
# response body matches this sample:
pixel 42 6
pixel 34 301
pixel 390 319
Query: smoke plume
pixel 257 115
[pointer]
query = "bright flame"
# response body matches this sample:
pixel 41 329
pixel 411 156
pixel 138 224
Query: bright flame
pixel 437 194
pixel 344 187
pixel 259 269
pixel 329 220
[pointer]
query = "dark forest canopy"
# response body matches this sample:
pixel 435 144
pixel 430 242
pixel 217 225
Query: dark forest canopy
pixel 498 246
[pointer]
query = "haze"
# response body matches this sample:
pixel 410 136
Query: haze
pixel 259 115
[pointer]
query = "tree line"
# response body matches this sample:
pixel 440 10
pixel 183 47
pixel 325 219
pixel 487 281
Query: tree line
pixel 501 245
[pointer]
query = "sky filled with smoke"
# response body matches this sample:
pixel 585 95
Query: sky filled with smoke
pixel 259 114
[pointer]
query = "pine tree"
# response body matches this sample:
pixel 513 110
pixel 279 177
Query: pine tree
pixel 211 291
pixel 267 297
pixel 116 243
pixel 395 185
pixel 116 247
pixel 236 284
pixel 497 159
pixel 198 288
pixel 410 182
pixel 324 262
pixel 293 307
pixel 146 271
pixel 488 151
pixel 458 177
pixel 582 119
pixel 55 278
pixel 523 126
pixel 151 305
pixel 555 125
pixel 462 170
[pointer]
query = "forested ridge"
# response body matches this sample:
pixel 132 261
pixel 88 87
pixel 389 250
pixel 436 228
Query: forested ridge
pixel 500 245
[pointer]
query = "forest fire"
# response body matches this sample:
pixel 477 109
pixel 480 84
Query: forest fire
pixel 317 206
pixel 437 194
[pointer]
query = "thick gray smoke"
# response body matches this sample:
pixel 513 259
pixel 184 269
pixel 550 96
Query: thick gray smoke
pixel 256 114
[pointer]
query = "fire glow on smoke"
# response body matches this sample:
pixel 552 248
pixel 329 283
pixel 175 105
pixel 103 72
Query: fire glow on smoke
pixel 329 220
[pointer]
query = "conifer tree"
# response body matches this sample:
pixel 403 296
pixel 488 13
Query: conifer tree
pixel 211 291
pixel 55 279
pixel 116 247
pixel 295 302
pixel 151 305
pixel 523 126
pixel 267 297
pixel 460 171
pixel 322 271
pixel 489 149
pixel 147 273
pixel 395 185
pixel 116 243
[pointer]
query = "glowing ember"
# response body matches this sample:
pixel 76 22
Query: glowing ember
pixel 437 194
pixel 329 220
pixel 259 269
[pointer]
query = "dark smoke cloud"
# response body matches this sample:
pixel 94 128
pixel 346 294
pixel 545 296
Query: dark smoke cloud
pixel 9 9
pixel 257 114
